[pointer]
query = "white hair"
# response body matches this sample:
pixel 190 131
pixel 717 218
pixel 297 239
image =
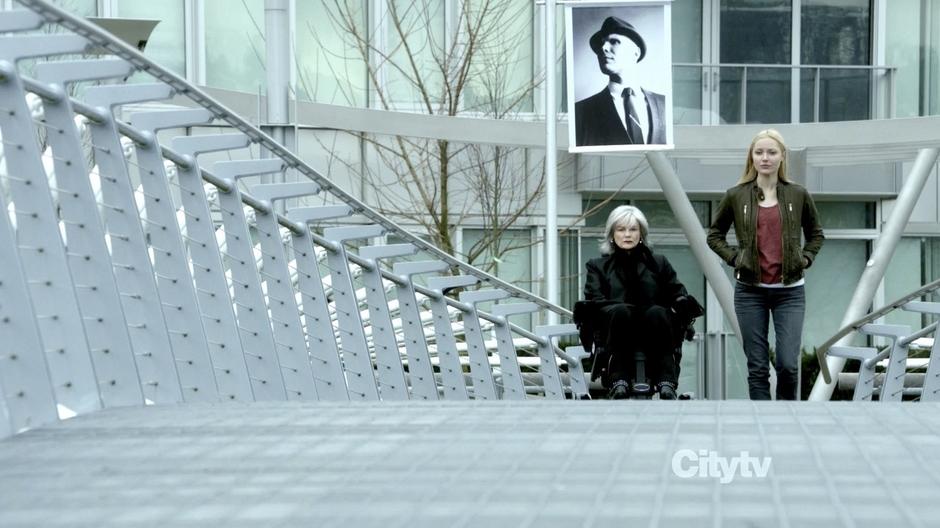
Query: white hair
pixel 626 215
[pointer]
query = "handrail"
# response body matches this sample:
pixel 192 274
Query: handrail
pixel 886 351
pixel 889 72
pixel 788 66
pixel 264 207
pixel 99 37
pixel 918 334
pixel 862 321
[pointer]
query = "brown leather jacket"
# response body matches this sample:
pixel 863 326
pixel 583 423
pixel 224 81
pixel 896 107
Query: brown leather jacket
pixel 797 213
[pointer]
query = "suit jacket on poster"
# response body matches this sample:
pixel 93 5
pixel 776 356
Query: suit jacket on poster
pixel 597 121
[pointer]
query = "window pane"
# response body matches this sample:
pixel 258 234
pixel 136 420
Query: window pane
pixel 658 213
pixel 768 95
pixel 808 96
pixel 561 70
pixel 415 44
pixel 166 44
pixel 764 97
pixel 235 45
pixel 687 95
pixel 846 215
pixel 687 32
pixel 903 50
pixel 510 258
pixel 571 280
pixel 756 31
pixel 598 217
pixel 903 277
pixel 330 68
pixel 687 47
pixel 838 33
pixel 830 283
pixel 931 255
pixel 932 43
pixel 835 32
pixel 660 216
pixel 78 7
pixel 501 80
pixel 845 95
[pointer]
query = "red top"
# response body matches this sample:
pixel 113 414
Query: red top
pixel 770 244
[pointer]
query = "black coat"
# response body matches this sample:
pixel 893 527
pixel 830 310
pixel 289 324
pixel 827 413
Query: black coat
pixel 656 280
pixel 597 121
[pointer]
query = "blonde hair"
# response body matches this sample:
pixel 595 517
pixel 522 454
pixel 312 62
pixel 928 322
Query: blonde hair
pixel 750 173
pixel 626 215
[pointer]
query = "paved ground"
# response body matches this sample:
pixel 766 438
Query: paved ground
pixel 570 464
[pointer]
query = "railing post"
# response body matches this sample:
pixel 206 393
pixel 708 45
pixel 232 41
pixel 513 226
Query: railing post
pixel 892 89
pixel 241 379
pixel 484 387
pixel 356 357
pixel 816 86
pixel 97 291
pixel 420 371
pixel 744 96
pixel 282 303
pixel 27 398
pixel 548 361
pixel 389 372
pixel 261 348
pixel 175 283
pixel 513 387
pixel 452 378
pixel 324 350
pixel 45 262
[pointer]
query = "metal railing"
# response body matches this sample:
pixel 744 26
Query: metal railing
pixel 711 80
pixel 901 337
pixel 138 267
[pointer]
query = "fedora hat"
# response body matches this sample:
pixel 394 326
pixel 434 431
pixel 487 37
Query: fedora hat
pixel 621 27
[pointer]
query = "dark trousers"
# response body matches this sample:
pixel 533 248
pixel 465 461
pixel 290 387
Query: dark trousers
pixel 754 306
pixel 649 329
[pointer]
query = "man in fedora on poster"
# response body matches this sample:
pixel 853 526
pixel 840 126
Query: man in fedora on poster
pixel 623 113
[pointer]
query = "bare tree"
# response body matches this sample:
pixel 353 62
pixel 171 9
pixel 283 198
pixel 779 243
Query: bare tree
pixel 436 183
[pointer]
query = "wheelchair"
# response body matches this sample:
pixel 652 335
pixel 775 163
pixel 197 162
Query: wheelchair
pixel 593 336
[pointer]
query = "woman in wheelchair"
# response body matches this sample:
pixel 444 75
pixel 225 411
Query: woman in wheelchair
pixel 637 308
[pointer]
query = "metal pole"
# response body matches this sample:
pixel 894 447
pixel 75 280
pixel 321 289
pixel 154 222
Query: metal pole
pixel 551 176
pixel 277 70
pixel 816 84
pixel 688 221
pixel 716 277
pixel 744 96
pixel 875 267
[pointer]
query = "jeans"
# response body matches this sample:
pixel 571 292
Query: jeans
pixel 754 306
pixel 631 328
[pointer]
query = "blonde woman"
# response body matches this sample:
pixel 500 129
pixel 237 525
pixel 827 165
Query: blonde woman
pixel 769 213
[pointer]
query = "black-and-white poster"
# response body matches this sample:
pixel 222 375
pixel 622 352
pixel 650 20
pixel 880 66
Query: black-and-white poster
pixel 619 62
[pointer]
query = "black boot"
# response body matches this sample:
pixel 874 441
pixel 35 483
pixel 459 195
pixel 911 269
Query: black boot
pixel 620 390
pixel 667 391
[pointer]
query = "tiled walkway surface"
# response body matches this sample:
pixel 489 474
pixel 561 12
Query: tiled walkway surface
pixel 482 464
